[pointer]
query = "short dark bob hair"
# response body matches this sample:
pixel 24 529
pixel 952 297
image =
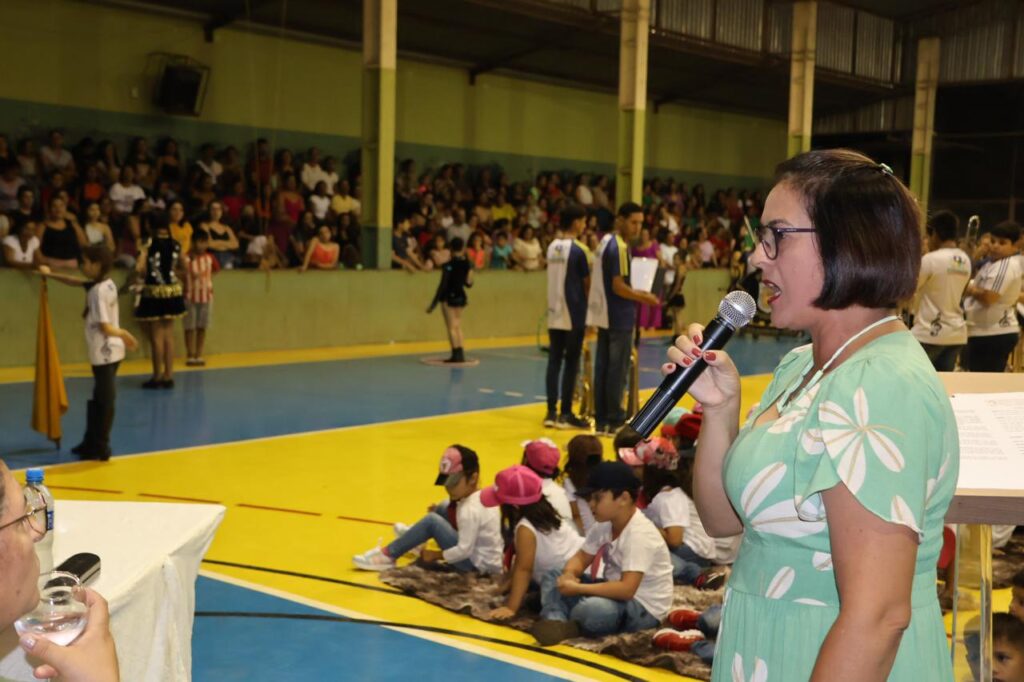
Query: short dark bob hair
pixel 867 223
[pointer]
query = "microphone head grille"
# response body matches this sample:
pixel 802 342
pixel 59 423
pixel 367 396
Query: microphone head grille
pixel 737 308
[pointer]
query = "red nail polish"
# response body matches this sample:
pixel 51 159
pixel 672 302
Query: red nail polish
pixel 687 361
pixel 696 339
pixel 696 352
pixel 710 356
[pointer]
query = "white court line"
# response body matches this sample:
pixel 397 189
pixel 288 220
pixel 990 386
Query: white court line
pixel 430 636
pixel 513 394
pixel 486 390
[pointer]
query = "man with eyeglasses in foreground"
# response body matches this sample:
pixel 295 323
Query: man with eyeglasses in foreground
pixel 90 658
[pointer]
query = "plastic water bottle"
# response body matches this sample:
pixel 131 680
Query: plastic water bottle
pixel 38 493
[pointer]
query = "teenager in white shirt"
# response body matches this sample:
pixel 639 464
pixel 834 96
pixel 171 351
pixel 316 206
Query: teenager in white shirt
pixel 107 342
pixel 543 456
pixel 21 248
pixel 468 533
pixel 939 323
pixel 637 590
pixel 541 541
pixel 992 326
pixel 673 512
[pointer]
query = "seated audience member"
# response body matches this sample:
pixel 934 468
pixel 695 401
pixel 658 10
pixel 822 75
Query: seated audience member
pixel 141 162
pixel 28 160
pixel 91 657
pixel 223 242
pixel 54 158
pixel 538 538
pixel 584 453
pixel 527 252
pixel 11 183
pixel 636 592
pixel 330 174
pixel 97 231
pixel 108 162
pixel 319 202
pixel 312 172
pixel 207 164
pixel 202 194
pixel 234 203
pixel 501 252
pixel 1007 648
pixel 60 239
pixel 403 257
pixel 301 238
pixel 125 192
pixel 92 188
pixel 21 247
pixel 438 251
pixel 322 253
pixel 181 229
pixel 477 252
pixel 468 533
pixel 343 202
pixel 542 457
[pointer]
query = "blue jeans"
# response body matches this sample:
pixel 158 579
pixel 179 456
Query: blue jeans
pixel 434 526
pixel 708 623
pixel 596 616
pixel 686 564
pixel 611 368
pixel 943 357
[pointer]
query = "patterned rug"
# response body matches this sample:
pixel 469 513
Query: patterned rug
pixel 475 595
pixel 1007 562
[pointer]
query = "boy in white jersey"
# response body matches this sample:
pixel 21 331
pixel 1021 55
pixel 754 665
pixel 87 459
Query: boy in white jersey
pixel 992 326
pixel 568 283
pixel 939 323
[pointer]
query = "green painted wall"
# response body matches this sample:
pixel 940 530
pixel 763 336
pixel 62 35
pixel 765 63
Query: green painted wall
pixel 255 311
pixel 92 70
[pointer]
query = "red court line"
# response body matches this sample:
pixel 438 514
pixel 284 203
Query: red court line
pixel 289 511
pixel 87 490
pixel 356 518
pixel 175 497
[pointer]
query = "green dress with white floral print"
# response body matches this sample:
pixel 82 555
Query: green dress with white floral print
pixel 881 423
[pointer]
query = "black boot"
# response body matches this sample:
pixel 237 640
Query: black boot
pixel 92 424
pixel 454 357
pixel 459 355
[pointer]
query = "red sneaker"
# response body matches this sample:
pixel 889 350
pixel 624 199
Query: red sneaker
pixel 683 619
pixel 674 640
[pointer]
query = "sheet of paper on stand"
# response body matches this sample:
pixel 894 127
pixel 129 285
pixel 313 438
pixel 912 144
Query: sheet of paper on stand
pixel 150 554
pixel 991 429
pixel 642 273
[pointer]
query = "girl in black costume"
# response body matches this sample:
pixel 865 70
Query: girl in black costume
pixel 456 276
pixel 161 301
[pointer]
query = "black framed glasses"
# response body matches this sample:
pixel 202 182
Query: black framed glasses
pixel 34 516
pixel 769 236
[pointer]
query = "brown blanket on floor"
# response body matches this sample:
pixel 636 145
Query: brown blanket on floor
pixel 474 595
pixel 1007 562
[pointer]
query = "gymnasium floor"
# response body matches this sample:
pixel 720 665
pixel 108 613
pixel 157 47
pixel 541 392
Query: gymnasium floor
pixel 316 454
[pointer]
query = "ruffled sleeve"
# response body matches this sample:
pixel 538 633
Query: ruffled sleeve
pixel 874 429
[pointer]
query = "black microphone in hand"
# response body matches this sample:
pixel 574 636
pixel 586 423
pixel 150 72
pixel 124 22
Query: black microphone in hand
pixel 736 310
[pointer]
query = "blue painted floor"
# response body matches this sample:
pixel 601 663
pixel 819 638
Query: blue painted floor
pixel 226 405
pixel 318 646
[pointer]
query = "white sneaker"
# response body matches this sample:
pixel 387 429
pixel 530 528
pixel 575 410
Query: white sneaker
pixel 400 529
pixel 373 560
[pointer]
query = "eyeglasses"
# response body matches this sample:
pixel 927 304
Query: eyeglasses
pixel 34 516
pixel 769 236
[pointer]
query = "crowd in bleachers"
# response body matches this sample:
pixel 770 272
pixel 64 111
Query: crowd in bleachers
pixel 265 208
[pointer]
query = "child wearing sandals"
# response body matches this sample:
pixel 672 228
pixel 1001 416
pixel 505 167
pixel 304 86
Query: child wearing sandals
pixel 542 456
pixel 468 533
pixel 541 540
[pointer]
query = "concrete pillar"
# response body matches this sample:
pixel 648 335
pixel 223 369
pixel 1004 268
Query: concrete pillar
pixel 636 27
pixel 801 76
pixel 926 89
pixel 380 22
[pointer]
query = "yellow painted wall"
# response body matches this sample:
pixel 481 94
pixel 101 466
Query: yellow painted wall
pixel 74 63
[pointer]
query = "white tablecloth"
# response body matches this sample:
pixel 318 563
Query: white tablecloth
pixel 150 555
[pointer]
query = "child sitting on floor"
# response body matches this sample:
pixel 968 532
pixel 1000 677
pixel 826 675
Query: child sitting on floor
pixel 671 509
pixel 637 590
pixel 542 456
pixel 468 533
pixel 540 539
pixel 584 453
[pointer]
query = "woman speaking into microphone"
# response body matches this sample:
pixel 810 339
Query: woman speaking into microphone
pixel 840 478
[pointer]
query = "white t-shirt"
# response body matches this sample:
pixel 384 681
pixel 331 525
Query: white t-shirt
pixel 667 252
pixel 639 548
pixel 558 499
pixel 124 198
pixel 672 507
pixel 257 245
pixel 939 321
pixel 312 175
pixel 1004 277
pixel 554 548
pixel 319 205
pixel 727 549
pixel 101 302
pixel 586 516
pixel 479 535
pixel 22 255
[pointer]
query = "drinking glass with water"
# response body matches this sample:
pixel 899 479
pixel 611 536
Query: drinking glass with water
pixel 61 614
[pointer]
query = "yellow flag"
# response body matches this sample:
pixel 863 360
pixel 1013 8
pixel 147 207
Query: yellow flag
pixel 51 399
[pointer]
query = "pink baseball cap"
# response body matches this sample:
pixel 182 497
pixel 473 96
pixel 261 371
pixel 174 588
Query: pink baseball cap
pixel 659 453
pixel 456 461
pixel 542 455
pixel 518 486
